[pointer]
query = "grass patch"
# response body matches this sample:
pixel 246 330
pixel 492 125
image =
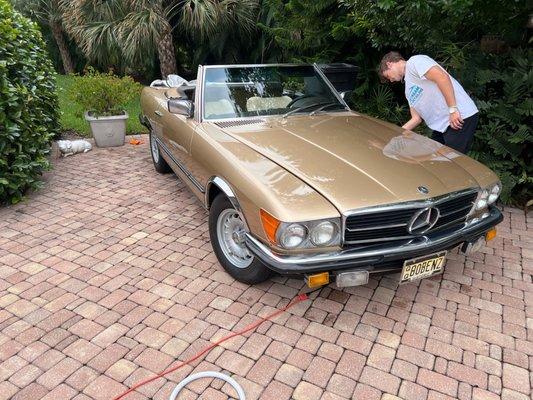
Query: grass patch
pixel 72 114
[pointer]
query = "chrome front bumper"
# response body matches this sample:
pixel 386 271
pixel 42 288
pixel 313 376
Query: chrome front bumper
pixel 378 259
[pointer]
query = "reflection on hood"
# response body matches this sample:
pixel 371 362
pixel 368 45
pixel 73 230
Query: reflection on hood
pixel 413 147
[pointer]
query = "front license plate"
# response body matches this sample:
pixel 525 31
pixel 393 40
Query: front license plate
pixel 423 267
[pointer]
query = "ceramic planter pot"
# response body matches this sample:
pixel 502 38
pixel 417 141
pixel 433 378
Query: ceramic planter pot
pixel 108 131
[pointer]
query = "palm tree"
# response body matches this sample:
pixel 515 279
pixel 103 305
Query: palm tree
pixel 93 26
pixel 49 13
pixel 222 31
pixel 134 31
pixel 145 27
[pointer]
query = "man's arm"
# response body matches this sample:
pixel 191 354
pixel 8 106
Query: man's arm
pixel 443 81
pixel 414 121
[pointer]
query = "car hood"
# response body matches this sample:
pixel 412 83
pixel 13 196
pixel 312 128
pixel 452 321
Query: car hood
pixel 356 161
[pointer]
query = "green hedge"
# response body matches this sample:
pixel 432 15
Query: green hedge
pixel 29 112
pixel 502 89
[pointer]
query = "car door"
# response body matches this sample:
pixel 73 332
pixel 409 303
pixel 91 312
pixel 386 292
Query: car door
pixel 178 131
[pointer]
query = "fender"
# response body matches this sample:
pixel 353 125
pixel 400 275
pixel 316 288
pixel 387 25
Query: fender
pixel 225 188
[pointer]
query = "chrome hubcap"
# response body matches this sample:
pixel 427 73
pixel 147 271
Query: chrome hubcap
pixel 231 234
pixel 155 149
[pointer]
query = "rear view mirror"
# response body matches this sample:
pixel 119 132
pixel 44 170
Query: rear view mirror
pixel 181 107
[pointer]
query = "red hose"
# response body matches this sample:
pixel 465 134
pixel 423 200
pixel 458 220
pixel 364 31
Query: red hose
pixel 296 300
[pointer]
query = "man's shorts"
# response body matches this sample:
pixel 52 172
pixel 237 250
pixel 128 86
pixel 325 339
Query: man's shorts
pixel 461 139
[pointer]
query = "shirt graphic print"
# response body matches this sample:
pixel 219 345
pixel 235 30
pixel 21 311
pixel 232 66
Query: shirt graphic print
pixel 415 92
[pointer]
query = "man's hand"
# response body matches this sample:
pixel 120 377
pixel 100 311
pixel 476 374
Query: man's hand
pixel 456 121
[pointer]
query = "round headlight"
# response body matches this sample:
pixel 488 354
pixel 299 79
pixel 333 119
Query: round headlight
pixel 323 233
pixel 293 236
pixel 496 189
pixel 484 194
pixel 492 198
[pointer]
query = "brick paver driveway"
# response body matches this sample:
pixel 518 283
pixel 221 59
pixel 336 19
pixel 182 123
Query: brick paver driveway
pixel 107 276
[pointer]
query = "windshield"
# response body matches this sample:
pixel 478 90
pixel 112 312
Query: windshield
pixel 233 92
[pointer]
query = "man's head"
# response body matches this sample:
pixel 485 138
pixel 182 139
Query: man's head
pixel 392 67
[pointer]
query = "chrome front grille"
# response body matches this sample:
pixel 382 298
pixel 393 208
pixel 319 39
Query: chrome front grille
pixel 390 223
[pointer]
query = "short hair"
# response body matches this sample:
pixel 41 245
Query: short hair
pixel 391 56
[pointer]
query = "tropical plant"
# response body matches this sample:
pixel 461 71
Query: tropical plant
pixel 92 25
pixel 423 25
pixel 49 13
pixel 224 31
pixel 306 31
pixel 28 105
pixel 121 33
pixel 103 94
pixel 502 88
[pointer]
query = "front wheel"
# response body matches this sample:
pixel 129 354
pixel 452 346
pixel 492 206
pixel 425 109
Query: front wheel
pixel 226 230
pixel 160 164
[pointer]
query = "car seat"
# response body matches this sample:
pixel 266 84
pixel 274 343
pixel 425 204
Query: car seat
pixel 217 104
pixel 272 98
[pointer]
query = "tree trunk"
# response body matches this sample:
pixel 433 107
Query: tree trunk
pixel 167 56
pixel 57 31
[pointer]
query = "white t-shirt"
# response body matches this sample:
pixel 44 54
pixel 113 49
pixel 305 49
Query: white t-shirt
pixel 426 98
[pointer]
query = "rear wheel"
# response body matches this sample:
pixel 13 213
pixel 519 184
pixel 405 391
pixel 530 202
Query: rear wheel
pixel 160 164
pixel 227 229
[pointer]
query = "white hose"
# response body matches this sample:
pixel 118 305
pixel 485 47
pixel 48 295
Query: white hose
pixel 208 374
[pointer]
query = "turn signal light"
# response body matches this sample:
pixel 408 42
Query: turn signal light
pixel 270 225
pixel 490 234
pixel 317 280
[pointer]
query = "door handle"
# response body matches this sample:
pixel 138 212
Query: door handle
pixel 159 113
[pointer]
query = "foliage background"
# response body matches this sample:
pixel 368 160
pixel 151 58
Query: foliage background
pixel 483 43
pixel 28 105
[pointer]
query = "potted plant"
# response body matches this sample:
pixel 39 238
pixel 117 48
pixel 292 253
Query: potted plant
pixel 103 96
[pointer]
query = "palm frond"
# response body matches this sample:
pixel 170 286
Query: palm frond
pixel 199 17
pixel 139 33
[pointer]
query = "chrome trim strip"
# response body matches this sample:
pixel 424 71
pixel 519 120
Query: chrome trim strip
pixel 182 167
pixel 256 65
pixel 230 194
pixel 376 227
pixel 433 201
pixel 391 238
pixel 226 189
pixel 459 209
pixel 449 223
pixel 199 95
pixel 330 85
pixel 317 259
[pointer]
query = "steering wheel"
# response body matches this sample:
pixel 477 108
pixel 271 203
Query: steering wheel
pixel 303 96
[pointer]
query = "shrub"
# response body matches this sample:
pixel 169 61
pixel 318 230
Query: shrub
pixel 501 87
pixel 28 105
pixel 103 94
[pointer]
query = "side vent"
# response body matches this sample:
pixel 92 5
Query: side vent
pixel 238 122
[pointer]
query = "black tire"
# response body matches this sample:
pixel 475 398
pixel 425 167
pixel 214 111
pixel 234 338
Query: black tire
pixel 256 271
pixel 160 164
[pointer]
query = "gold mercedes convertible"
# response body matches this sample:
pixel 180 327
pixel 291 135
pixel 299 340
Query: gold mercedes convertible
pixel 298 184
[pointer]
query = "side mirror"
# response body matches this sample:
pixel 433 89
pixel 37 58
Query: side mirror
pixel 181 107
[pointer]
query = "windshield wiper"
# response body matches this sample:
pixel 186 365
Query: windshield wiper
pixel 324 104
pixel 324 107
